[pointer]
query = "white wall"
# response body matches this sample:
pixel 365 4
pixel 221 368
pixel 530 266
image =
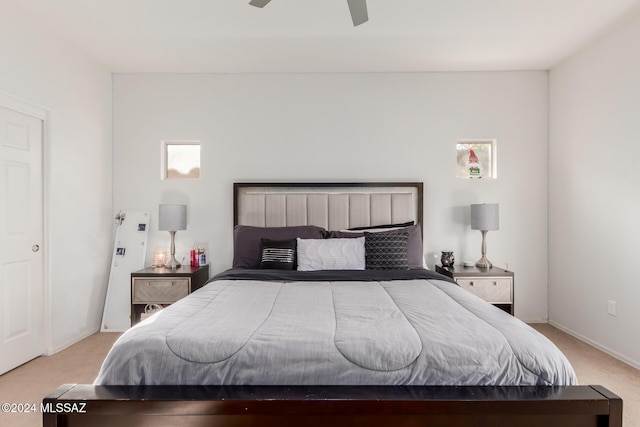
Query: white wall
pixel 337 127
pixel 76 90
pixel 594 233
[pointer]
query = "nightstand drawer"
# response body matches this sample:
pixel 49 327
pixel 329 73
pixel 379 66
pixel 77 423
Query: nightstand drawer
pixel 490 289
pixel 162 290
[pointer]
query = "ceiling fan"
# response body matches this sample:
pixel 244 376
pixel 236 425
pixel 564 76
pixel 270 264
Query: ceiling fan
pixel 358 9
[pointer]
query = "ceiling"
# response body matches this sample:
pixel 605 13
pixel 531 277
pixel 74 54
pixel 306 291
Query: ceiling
pixel 228 36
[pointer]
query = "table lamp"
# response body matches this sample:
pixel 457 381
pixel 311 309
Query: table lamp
pixel 172 218
pixel 484 217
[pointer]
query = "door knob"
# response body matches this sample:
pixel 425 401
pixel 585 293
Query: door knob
pixel 35 248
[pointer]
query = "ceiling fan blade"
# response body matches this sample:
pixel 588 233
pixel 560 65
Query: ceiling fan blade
pixel 259 3
pixel 358 9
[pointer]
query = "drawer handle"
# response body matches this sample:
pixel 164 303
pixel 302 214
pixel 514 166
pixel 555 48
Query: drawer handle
pixel 162 284
pixel 494 283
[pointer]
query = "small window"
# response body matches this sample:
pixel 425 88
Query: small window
pixel 476 159
pixel 181 160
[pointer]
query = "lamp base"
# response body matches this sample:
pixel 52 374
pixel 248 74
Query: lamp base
pixel 484 263
pixel 172 263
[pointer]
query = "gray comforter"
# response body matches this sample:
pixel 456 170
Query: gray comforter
pixel 417 329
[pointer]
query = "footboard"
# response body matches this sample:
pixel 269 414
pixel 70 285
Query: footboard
pixel 86 405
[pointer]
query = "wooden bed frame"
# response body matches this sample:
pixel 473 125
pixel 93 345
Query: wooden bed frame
pixel 337 406
pixel 74 405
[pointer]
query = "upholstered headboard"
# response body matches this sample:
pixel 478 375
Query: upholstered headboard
pixel 334 206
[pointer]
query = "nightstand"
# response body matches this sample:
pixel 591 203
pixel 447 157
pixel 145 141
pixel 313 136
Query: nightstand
pixel 164 286
pixel 494 285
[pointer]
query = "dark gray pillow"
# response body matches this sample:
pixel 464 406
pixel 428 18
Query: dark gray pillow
pixel 278 254
pixel 374 227
pixel 414 245
pixel 246 241
pixel 386 251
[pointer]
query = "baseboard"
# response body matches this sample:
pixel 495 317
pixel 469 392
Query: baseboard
pixel 605 349
pixel 71 341
pixel 532 320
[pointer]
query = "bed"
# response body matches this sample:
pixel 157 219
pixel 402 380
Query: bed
pixel 341 325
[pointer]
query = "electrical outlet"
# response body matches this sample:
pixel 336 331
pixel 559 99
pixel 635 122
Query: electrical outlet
pixel 612 308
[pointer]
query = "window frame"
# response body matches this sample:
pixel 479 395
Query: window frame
pixel 164 166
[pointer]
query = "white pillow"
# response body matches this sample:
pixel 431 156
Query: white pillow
pixel 331 254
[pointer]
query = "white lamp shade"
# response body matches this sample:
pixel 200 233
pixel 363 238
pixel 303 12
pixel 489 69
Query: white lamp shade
pixel 485 217
pixel 172 217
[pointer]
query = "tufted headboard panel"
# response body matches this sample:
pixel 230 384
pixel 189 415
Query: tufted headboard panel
pixel 334 206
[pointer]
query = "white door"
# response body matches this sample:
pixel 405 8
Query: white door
pixel 21 231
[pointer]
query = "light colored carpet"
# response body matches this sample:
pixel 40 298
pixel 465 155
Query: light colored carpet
pixel 29 383
pixel 592 366
pixel 80 364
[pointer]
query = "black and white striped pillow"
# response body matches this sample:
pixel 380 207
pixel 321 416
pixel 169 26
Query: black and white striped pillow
pixel 278 254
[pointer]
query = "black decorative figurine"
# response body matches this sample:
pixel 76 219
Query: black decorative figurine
pixel 447 259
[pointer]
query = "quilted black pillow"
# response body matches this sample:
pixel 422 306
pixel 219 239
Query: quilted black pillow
pixel 278 254
pixel 385 251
